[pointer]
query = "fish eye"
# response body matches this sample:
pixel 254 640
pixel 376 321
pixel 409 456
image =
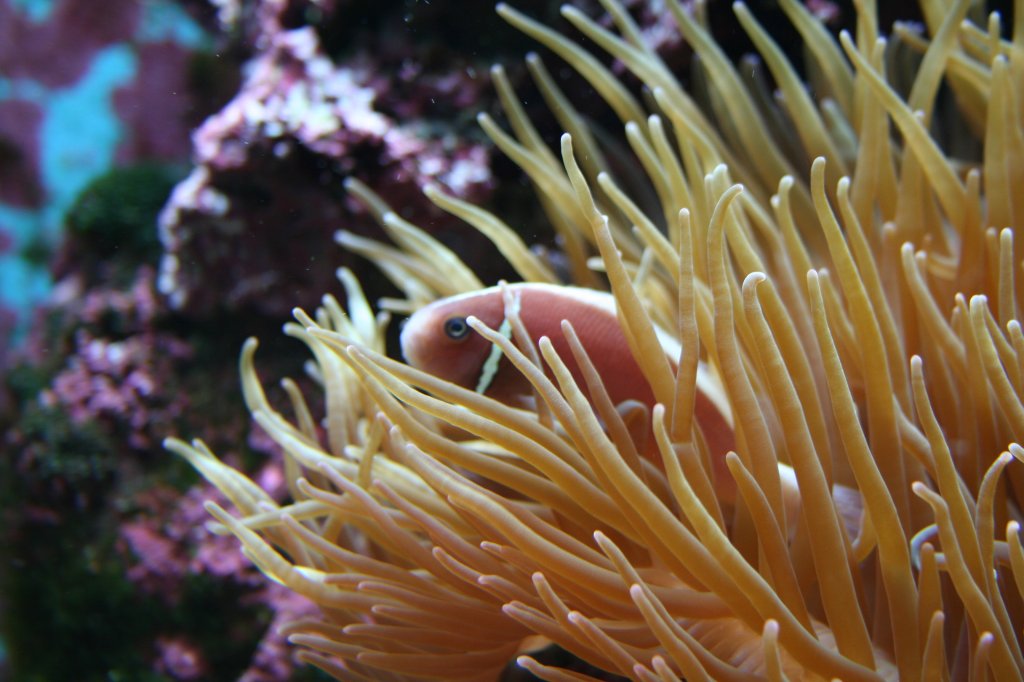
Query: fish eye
pixel 456 328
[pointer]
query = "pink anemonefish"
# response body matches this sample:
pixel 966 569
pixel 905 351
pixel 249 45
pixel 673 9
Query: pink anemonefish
pixel 438 340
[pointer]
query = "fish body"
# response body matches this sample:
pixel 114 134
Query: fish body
pixel 437 340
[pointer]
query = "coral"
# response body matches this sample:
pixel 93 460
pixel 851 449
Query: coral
pixel 165 543
pixel 849 301
pixel 115 381
pixel 167 540
pixel 172 88
pixel 330 89
pixel 58 51
pixel 86 506
pixel 179 659
pixel 657 27
pixel 252 225
pixel 274 659
pixel 81 91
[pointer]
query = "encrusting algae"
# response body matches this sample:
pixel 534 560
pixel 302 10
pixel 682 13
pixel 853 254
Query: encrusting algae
pixel 861 323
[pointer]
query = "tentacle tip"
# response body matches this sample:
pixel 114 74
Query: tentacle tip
pixel 213 508
pixel 1016 450
pixel 920 489
pixel 753 279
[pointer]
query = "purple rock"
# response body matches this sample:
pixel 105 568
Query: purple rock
pixel 253 225
pixel 179 658
pixel 117 381
pixel 157 106
pixel 20 182
pixel 57 52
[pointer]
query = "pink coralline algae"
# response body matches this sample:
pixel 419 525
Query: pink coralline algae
pixel 252 225
pixel 179 658
pixel 46 59
pixel 658 27
pixel 826 11
pixel 158 106
pixel 258 21
pixel 118 381
pixel 274 657
pixel 168 540
pixel 58 51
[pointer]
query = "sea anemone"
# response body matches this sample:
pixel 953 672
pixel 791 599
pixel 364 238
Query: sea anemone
pixel 861 318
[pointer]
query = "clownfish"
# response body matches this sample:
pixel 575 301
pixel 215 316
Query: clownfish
pixel 438 340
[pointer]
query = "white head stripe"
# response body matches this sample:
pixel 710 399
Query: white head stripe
pixel 490 368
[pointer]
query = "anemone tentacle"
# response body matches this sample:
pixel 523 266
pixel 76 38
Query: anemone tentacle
pixel 855 296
